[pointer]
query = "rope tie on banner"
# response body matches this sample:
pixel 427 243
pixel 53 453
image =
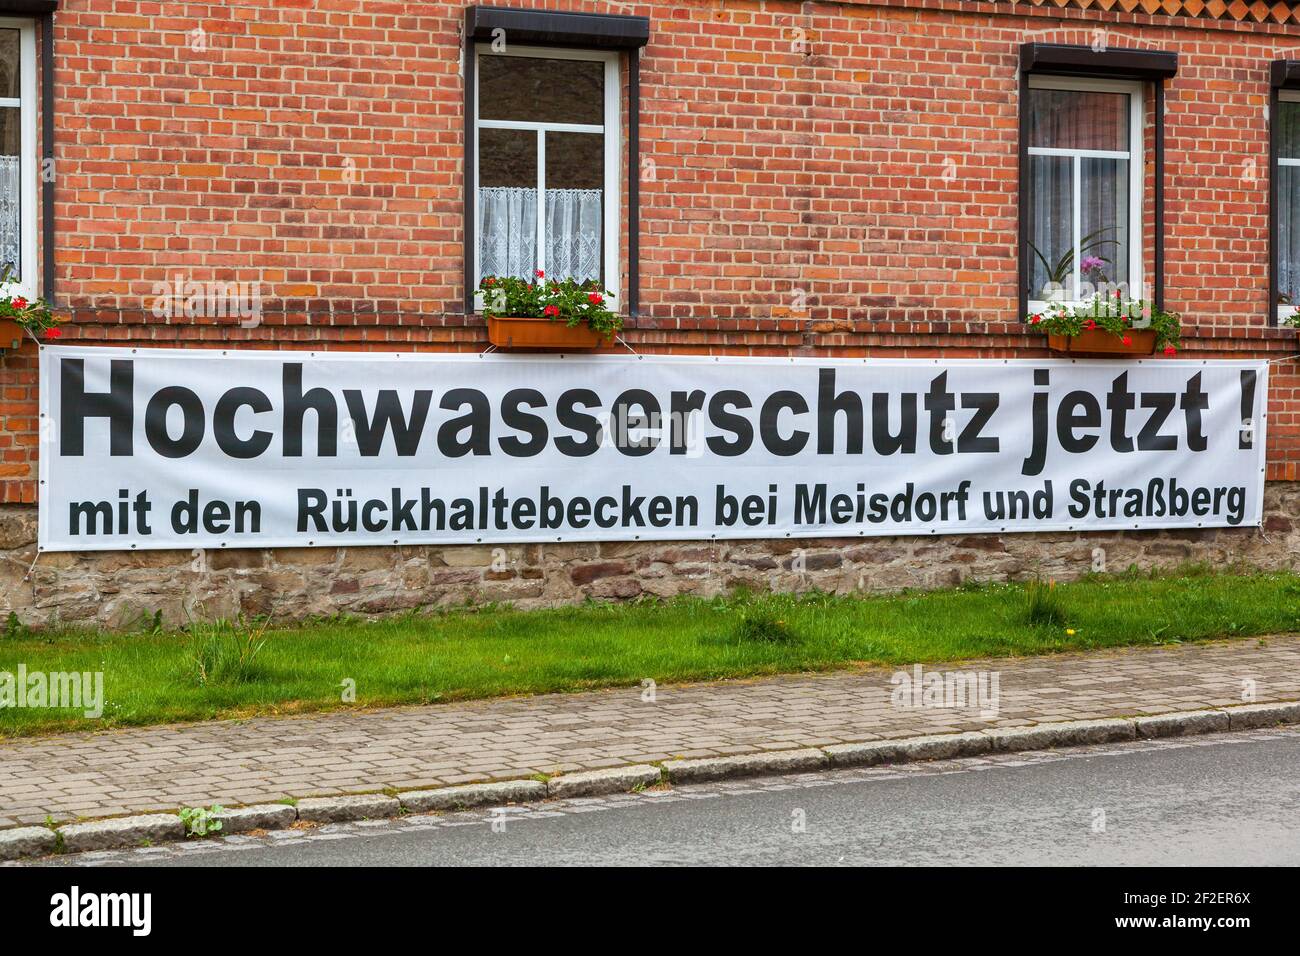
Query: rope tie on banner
pixel 1284 358
pixel 32 567
pixel 623 342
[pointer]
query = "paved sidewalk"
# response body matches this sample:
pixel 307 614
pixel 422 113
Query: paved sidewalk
pixel 267 759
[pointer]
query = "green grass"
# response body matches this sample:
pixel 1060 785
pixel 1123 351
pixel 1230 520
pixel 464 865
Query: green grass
pixel 155 675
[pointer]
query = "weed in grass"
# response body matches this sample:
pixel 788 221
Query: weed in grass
pixel 224 653
pixel 763 622
pixel 1043 606
pixel 16 629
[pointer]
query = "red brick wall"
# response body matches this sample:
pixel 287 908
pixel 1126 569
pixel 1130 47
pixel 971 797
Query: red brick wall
pixel 818 177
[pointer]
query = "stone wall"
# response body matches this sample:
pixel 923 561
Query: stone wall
pixel 114 589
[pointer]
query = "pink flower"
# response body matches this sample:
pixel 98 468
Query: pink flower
pixel 1089 263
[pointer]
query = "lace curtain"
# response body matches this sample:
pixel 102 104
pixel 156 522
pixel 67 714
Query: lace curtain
pixel 1105 219
pixel 507 228
pixel 10 214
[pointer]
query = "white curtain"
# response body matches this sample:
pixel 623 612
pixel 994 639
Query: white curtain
pixel 573 219
pixel 10 213
pixel 507 228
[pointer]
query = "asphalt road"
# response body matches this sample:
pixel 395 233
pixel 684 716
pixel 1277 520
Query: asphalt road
pixel 1219 800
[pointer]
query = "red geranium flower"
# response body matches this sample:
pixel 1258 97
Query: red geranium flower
pixel 53 332
pixel 1128 340
pixel 595 298
pixel 20 303
pixel 1170 350
pixel 541 274
pixel 1090 325
pixel 1034 320
pixel 551 311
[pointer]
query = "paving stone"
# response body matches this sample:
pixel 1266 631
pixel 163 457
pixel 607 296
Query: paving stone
pixel 593 783
pixel 122 832
pixel 473 795
pixel 26 841
pixel 745 765
pixel 370 806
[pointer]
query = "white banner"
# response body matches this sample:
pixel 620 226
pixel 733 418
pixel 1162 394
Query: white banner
pixel 169 448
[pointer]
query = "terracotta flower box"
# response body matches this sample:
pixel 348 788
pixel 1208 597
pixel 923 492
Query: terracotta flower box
pixel 514 332
pixel 11 334
pixel 1101 342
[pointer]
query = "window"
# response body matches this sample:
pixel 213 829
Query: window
pixel 1084 189
pixel 1287 179
pixel 547 157
pixel 18 154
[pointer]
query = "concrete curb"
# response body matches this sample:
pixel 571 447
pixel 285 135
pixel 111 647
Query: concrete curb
pixel 365 806
pixel 745 765
pixel 27 841
pixel 594 783
pixel 132 831
pixel 121 832
pixel 260 816
pixel 472 795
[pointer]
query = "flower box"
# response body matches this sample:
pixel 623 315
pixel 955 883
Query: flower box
pixel 1101 342
pixel 517 332
pixel 11 334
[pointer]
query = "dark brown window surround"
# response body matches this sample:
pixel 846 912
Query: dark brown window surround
pixel 1059 59
pixel 1285 75
pixel 547 28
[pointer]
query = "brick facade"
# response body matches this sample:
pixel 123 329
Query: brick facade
pixel 817 178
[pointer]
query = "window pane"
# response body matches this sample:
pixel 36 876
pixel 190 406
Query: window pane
pixel 1288 235
pixel 1288 130
pixel 1075 119
pixel 1103 234
pixel 541 90
pixel 575 181
pixel 10 203
pixel 9 63
pixel 1051 226
pixel 507 202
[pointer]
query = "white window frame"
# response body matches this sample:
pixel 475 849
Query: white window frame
pixel 1286 96
pixel 26 102
pixel 1136 172
pixel 610 129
